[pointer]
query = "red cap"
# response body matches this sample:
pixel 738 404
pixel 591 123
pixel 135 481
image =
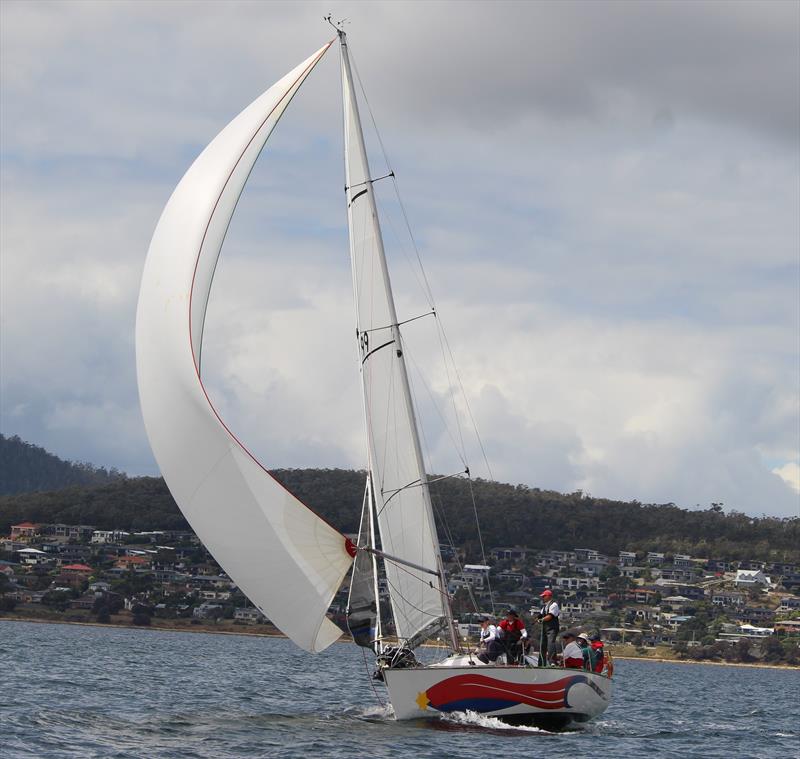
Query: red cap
pixel 546 593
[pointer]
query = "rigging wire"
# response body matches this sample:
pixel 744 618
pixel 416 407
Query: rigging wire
pixel 443 521
pixel 427 287
pixel 460 450
pixel 446 352
pixel 442 592
pixel 371 679
pixel 425 284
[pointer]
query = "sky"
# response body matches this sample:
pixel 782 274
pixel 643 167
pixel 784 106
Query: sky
pixel 604 195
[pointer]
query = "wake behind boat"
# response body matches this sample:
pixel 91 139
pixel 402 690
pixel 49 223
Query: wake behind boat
pixel 255 529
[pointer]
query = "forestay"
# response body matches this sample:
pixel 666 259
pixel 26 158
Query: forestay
pixel 363 615
pixel 402 502
pixel 287 560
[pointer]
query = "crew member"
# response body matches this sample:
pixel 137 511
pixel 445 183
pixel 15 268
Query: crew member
pixel 598 653
pixel 513 636
pixel 488 635
pixel 573 656
pixel 548 616
pixel 586 648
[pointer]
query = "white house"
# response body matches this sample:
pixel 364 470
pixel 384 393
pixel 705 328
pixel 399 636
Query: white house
pixel 32 556
pixel 750 578
pixel 101 537
pixel 249 615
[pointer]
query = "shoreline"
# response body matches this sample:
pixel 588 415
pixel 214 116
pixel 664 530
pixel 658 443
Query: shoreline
pixel 661 660
pixel 277 634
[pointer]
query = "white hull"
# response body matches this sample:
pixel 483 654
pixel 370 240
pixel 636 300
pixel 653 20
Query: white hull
pixel 547 696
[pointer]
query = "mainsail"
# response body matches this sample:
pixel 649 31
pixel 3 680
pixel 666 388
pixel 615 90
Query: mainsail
pixel 399 487
pixel 287 560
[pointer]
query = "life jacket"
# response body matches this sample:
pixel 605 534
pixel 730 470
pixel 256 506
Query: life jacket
pixel 598 654
pixel 550 624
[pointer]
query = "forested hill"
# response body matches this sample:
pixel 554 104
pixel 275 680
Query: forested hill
pixel 25 468
pixel 509 515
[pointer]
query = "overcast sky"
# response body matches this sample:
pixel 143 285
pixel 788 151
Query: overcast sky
pixel 605 197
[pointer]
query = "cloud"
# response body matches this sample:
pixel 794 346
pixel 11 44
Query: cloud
pixel 604 195
pixel 789 473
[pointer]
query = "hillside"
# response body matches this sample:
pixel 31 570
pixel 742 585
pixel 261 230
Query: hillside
pixel 26 468
pixel 509 515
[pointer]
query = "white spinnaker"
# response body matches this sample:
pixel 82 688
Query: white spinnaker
pixel 405 516
pixel 287 560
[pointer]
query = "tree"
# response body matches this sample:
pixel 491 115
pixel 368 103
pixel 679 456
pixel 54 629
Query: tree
pixel 7 603
pixel 103 614
pixel 141 620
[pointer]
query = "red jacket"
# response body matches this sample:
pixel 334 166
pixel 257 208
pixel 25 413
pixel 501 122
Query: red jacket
pixel 513 629
pixel 599 655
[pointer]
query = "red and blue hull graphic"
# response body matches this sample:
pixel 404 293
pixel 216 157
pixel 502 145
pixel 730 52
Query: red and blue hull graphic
pixel 481 693
pixel 546 695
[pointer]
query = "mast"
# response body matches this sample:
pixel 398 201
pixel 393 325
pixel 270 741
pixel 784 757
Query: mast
pixel 395 343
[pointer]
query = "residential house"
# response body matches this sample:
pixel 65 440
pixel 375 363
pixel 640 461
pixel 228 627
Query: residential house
pixel 86 601
pixel 648 613
pixel 102 537
pixel 788 626
pixel 74 553
pixel 655 559
pixel 789 604
pixel 592 567
pixel 64 532
pixel 751 578
pixel 791 582
pixel 554 559
pixel 214 595
pixel 751 631
pixel 477 570
pixel 781 569
pixel 677 574
pixel 627 558
pixel 641 595
pixel 728 598
pixel 24 531
pixel 515 554
pixel 74 575
pixel 675 620
pixel 207 610
pixel 249 615
pixel 133 563
pixel 682 560
pixel 12 546
pixel 672 588
pixel 576 609
pixel 575 583
pixel 744 631
pixel 756 614
pixel 33 556
pixel 678 603
pixel 515 577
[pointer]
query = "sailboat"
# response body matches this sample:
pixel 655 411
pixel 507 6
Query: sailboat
pixel 259 532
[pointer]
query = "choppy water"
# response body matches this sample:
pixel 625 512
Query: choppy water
pixel 72 691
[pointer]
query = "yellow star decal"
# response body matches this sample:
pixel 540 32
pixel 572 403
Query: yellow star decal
pixel 422 700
